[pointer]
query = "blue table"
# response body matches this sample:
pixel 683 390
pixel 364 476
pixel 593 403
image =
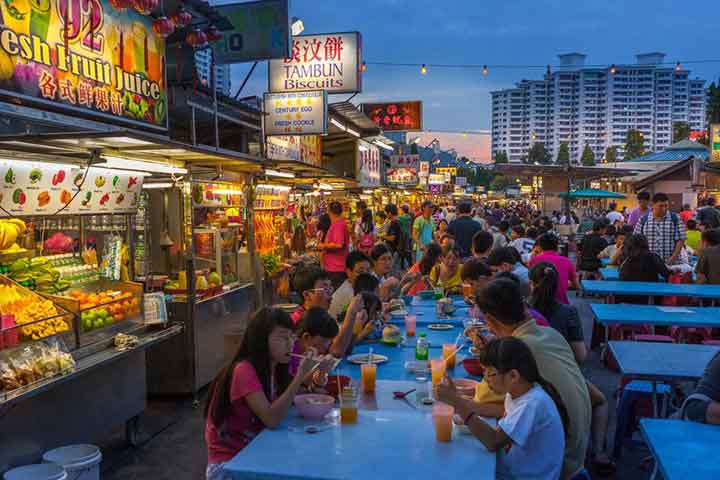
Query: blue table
pixel 604 287
pixel 612 314
pixel 683 450
pixel 610 273
pixel 662 361
pixel 384 444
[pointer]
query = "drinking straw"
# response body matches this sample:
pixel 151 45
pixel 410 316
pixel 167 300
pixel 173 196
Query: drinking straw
pixel 453 354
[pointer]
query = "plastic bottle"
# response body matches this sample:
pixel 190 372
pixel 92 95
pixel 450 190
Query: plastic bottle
pixel 422 347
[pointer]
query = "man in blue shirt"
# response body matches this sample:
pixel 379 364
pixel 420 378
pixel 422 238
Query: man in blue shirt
pixel 464 228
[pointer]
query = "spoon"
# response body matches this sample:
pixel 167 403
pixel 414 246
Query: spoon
pixel 402 395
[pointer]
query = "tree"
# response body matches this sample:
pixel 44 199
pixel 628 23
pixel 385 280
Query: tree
pixel 611 155
pixel 563 156
pixel 538 154
pixel 588 156
pixel 681 131
pixel 634 144
pixel 713 104
pixel 499 182
pixel 501 157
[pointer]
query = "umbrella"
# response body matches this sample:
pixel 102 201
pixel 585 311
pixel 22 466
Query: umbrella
pixel 592 193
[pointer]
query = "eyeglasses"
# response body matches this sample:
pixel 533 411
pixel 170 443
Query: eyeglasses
pixel 326 289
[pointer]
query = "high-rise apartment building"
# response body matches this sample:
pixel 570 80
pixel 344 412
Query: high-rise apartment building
pixel 582 105
pixel 203 62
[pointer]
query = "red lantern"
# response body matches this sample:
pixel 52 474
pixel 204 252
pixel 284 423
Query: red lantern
pixel 196 38
pixel 163 26
pixel 145 7
pixel 121 5
pixel 213 34
pixel 181 18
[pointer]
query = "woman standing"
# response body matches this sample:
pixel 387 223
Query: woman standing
pixel 440 230
pixel 245 397
pixel 365 233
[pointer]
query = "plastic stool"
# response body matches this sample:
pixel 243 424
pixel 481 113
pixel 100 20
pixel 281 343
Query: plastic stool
pixel 632 393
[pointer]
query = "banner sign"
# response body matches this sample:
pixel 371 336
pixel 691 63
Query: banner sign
pixel 436 179
pixel 30 188
pixel 395 116
pixel 449 170
pixel 405 161
pixel 715 142
pixel 329 62
pixel 460 181
pixel 402 176
pixel 424 169
pixel 298 113
pixel 260 31
pixel 111 64
pixel 368 164
pixel 296 148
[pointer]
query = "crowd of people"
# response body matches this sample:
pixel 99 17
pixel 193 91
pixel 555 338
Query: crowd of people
pixel 519 282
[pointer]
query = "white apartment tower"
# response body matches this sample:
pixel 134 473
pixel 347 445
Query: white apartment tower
pixel 597 106
pixel 203 62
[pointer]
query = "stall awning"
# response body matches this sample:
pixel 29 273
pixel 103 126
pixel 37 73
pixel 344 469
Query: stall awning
pixel 125 144
pixel 577 172
pixel 593 193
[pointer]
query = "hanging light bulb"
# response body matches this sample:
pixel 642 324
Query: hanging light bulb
pixel 423 69
pixel 484 71
pixel 677 67
pixel 363 67
pixel 613 70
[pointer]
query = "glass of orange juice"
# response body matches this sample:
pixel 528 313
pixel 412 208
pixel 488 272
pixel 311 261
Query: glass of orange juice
pixel 437 369
pixel 368 372
pixel 410 323
pixel 348 406
pixel 442 418
pixel 448 352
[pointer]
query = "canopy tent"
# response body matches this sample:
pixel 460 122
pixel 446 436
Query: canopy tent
pixel 592 193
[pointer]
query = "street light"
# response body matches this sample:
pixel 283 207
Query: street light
pixel 297 26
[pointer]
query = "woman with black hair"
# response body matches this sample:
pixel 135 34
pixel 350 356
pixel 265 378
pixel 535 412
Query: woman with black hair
pixel 245 397
pixel 639 264
pixel 416 278
pixel 365 233
pixel 530 437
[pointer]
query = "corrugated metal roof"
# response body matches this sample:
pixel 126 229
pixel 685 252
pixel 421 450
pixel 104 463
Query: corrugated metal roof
pixel 673 155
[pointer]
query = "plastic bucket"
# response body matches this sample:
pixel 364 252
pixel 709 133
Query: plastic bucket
pixel 40 471
pixel 82 462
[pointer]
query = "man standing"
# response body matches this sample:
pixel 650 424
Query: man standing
pixel 394 237
pixel 709 216
pixel 664 230
pixel 613 215
pixel 405 220
pixel 464 228
pixel 336 245
pixel 423 227
pixel 642 209
pixel 567 275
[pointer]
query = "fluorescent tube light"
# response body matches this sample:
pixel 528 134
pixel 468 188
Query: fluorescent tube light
pixel 141 166
pixel 275 173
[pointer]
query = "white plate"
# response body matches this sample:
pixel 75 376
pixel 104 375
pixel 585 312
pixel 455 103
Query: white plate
pixel 361 358
pixel 398 313
pixel 440 326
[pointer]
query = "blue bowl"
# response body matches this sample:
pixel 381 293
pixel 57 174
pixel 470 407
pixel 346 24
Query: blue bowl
pixel 407 299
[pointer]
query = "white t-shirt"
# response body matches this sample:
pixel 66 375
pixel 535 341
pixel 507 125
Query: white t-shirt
pixel 523 245
pixel 341 299
pixel 614 217
pixel 533 423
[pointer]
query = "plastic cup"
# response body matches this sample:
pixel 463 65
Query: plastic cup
pixel 437 369
pixel 410 323
pixel 368 372
pixel 442 418
pixel 448 352
pixel 348 407
pixel 467 290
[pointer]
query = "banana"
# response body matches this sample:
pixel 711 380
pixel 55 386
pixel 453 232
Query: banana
pixel 22 228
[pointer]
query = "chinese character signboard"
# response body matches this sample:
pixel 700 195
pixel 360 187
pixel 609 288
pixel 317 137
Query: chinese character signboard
pixel 260 31
pixel 398 116
pixel 715 142
pixel 449 170
pixel 402 177
pixel 298 113
pixel 424 169
pixel 436 179
pixel 295 148
pixel 368 164
pixel 111 64
pixel 311 150
pixel 405 161
pixel 329 62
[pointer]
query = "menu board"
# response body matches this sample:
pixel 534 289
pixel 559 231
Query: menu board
pixel 44 189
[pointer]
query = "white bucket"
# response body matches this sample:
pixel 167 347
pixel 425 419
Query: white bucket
pixel 40 471
pixel 82 462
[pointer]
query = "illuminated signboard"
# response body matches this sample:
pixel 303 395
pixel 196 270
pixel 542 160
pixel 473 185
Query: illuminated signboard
pixel 405 161
pixel 111 64
pixel 402 176
pixel 368 164
pixel 296 148
pixel 449 170
pixel 300 113
pixel 715 142
pixel 398 116
pixel 330 62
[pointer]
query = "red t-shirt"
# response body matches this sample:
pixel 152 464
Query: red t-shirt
pixel 565 268
pixel 686 215
pixel 295 316
pixel 242 425
pixel 419 284
pixel 334 260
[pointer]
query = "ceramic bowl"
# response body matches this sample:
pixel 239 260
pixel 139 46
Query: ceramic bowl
pixel 314 406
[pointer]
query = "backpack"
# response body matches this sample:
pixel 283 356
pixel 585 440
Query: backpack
pixel 644 219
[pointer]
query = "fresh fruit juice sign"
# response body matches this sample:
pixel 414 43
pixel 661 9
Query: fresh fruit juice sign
pixel 84 55
pixel 37 189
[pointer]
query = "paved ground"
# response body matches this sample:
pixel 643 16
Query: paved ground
pixel 172 445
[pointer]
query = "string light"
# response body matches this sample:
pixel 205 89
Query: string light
pixel 677 67
pixel 613 70
pixel 363 67
pixel 423 69
pixel 484 70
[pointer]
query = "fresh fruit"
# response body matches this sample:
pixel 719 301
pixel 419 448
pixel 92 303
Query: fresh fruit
pixel 35 175
pixel 214 279
pixel 202 283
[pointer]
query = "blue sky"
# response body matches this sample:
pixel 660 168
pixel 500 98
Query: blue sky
pixel 496 32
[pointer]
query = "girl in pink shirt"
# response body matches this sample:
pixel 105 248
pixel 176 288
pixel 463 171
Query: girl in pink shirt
pixel 243 399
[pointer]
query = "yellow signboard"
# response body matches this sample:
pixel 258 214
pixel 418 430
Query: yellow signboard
pixel 86 55
pixel 715 142
pixel 450 170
